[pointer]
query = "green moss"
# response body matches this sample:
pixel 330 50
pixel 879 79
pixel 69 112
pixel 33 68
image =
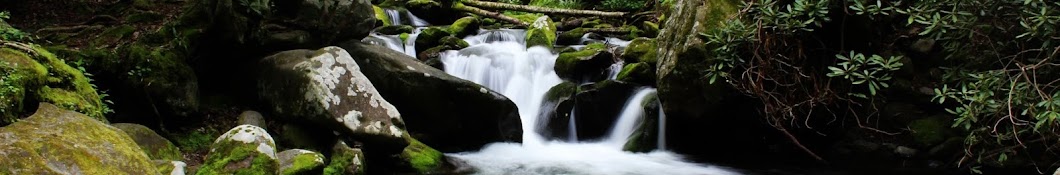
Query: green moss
pixel 421 157
pixel 345 161
pixel 394 29
pixel 571 36
pixel 718 13
pixel 465 26
pixel 303 164
pixel 568 61
pixel 70 139
pixel 638 73
pixel 195 141
pixel 643 50
pixel 930 131
pixel 404 37
pixel 20 74
pixel 156 147
pixel 228 156
pixel 51 80
pixel 423 4
pixel 380 15
pixel 650 29
pixel 114 34
pixel 562 90
pixel 541 32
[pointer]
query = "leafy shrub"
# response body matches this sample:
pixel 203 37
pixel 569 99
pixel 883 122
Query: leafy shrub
pixel 7 32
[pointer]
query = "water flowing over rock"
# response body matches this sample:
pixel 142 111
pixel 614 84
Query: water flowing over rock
pixel 327 87
pixel 446 112
pixel 245 149
pixel 59 141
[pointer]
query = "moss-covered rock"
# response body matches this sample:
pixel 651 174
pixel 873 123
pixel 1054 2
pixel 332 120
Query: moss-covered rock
pixel 433 102
pixel 430 37
pixel 33 74
pixel 245 149
pixel 58 141
pixel 300 162
pixel 465 26
pixel 156 146
pixel 570 37
pixel 649 29
pixel 326 87
pixel 171 167
pixel 640 73
pixel 422 158
pixel 930 131
pixel 380 16
pixel 586 65
pixel 394 29
pixel 541 32
pixel 641 50
pixel 561 96
pixel 345 161
pixel 645 137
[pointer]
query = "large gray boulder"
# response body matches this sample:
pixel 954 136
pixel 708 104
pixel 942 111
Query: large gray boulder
pixel 326 87
pixel 445 112
pixel 59 141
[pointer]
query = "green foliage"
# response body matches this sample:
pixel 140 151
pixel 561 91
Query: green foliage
pixel 873 71
pixel 624 5
pixel 802 15
pixel 564 4
pixel 194 141
pixel 9 33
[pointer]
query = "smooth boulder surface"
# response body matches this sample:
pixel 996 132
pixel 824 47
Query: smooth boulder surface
pixel 446 112
pixel 245 149
pixel 156 146
pixel 558 107
pixel 326 87
pixel 59 141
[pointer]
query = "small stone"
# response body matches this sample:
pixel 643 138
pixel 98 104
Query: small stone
pixel 905 151
pixel 252 118
pixel 300 161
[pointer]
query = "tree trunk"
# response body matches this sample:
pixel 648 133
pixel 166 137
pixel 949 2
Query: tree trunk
pixel 489 14
pixel 545 10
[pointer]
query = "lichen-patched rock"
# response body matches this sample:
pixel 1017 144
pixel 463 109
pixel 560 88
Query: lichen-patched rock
pixel 59 141
pixel 326 87
pixel 245 149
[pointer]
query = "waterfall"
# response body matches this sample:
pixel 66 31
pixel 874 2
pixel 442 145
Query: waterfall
pixel 572 127
pixel 522 74
pixel 628 119
pixel 499 60
pixel 394 15
pixel 394 41
pixel 662 130
pixel 614 69
pixel 399 16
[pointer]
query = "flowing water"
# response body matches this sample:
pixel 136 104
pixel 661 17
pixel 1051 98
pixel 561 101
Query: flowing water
pixel 500 60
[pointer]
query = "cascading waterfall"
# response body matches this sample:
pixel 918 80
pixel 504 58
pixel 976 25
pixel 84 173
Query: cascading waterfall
pixel 499 60
pixel 628 119
pixel 523 75
pixel 614 69
pixel 572 127
pixel 662 130
pixel 416 21
pixel 394 15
